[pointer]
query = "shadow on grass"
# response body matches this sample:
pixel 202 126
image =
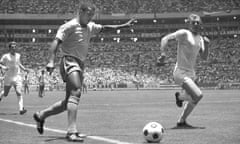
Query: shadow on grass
pixel 54 138
pixel 2 113
pixel 188 127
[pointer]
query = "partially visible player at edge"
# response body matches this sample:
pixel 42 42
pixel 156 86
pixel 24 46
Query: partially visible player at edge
pixel 11 64
pixel 190 44
pixel 74 38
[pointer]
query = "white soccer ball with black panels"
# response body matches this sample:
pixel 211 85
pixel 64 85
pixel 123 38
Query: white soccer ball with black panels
pixel 153 132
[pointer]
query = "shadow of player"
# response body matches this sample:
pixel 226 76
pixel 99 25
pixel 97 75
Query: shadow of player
pixel 187 127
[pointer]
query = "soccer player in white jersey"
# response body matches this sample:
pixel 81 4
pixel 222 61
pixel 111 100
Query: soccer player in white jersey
pixel 11 64
pixel 74 38
pixel 190 44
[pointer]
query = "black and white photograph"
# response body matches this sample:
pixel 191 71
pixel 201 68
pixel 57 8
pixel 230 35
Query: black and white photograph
pixel 120 71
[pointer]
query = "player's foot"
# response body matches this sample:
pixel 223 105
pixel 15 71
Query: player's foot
pixel 40 123
pixel 184 125
pixel 179 102
pixel 75 137
pixel 21 112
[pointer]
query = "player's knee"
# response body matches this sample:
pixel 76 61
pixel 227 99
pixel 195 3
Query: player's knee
pixel 193 90
pixel 196 99
pixel 76 92
pixel 73 99
pixel 18 93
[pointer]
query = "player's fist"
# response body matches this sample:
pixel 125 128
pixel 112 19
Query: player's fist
pixel 206 39
pixel 131 22
pixel 50 67
pixel 161 60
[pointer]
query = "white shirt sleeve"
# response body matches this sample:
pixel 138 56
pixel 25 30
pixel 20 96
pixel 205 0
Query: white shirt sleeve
pixel 63 31
pixel 94 28
pixel 3 59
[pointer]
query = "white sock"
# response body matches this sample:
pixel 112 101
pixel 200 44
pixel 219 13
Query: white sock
pixel 20 102
pixel 2 94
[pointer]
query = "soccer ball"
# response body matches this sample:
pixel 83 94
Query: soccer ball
pixel 153 132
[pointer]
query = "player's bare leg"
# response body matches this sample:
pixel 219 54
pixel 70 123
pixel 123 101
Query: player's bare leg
pixel 5 92
pixel 193 95
pixel 22 110
pixel 1 94
pixel 54 109
pixel 73 88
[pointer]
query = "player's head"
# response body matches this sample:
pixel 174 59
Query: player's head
pixel 86 13
pixel 42 72
pixel 12 47
pixel 195 22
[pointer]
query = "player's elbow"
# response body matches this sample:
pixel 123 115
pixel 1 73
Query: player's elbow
pixel 164 42
pixel 164 39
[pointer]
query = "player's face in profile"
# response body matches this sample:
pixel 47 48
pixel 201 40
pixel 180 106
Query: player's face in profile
pixel 86 16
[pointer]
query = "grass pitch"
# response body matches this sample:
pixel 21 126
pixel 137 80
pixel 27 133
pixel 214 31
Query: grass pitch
pixel 118 117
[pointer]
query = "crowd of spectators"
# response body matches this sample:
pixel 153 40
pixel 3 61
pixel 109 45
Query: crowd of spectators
pixel 135 63
pixel 117 6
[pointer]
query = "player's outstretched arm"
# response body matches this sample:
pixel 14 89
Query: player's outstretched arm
pixel 171 36
pixel 22 67
pixel 113 27
pixel 164 42
pixel 205 48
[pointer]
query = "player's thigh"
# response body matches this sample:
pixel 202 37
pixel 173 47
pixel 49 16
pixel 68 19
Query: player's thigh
pixel 192 89
pixel 18 87
pixel 179 75
pixel 6 89
pixel 74 80
pixel 74 84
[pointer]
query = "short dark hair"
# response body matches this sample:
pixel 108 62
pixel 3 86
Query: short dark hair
pixel 194 18
pixel 11 43
pixel 87 7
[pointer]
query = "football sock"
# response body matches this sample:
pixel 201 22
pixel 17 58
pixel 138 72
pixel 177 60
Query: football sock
pixel 20 102
pixel 1 94
pixel 72 107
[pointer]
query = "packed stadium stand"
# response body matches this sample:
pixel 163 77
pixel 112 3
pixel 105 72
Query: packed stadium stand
pixel 128 57
pixel 117 6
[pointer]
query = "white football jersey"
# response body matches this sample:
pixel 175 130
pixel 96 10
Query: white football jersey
pixel 188 49
pixel 12 62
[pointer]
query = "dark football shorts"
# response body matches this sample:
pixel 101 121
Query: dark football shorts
pixel 70 64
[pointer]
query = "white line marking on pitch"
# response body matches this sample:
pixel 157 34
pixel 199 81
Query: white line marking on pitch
pixel 63 132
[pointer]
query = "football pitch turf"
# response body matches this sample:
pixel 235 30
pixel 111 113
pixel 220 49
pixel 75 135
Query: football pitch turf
pixel 117 117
